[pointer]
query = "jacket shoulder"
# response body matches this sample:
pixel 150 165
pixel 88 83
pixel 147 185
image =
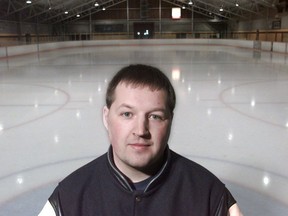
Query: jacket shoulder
pixel 85 173
pixel 190 169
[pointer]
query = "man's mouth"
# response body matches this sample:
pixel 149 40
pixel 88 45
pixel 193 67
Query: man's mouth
pixel 139 146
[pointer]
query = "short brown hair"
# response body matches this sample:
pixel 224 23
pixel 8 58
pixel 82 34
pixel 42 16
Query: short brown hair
pixel 142 75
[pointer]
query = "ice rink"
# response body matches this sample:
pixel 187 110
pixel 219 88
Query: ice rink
pixel 231 117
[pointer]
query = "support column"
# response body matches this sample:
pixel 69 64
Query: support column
pixel 90 25
pixel 128 24
pixel 160 19
pixel 192 22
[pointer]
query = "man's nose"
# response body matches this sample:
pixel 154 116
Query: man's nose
pixel 141 127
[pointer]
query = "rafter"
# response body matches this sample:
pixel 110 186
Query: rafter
pixel 88 12
pixel 52 11
pixel 18 7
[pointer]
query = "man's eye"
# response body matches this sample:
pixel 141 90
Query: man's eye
pixel 127 114
pixel 155 117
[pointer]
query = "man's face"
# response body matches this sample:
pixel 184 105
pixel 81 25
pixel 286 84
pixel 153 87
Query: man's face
pixel 138 124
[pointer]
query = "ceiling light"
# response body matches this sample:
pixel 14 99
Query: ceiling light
pixel 190 2
pixel 96 4
pixel 221 9
pixel 237 5
pixel 104 9
pixel 78 15
pixel 183 7
pixel 66 12
pixel 28 2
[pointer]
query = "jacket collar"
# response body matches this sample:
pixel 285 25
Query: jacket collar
pixel 125 181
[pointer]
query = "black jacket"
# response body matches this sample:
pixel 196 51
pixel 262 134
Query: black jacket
pixel 180 188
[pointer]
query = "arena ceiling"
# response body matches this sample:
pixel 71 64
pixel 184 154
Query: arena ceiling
pixel 60 11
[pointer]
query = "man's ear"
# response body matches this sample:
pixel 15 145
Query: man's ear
pixel 105 116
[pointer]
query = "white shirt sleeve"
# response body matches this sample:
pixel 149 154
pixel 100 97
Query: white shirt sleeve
pixel 47 210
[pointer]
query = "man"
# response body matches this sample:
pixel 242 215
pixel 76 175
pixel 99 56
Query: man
pixel 140 175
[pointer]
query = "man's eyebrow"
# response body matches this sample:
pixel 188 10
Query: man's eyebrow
pixel 124 105
pixel 159 110
pixel 156 109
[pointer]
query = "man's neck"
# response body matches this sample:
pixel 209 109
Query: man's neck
pixel 133 174
pixel 136 174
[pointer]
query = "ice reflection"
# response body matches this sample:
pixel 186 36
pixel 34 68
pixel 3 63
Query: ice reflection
pixel 176 73
pixel 253 103
pixel 209 112
pixel 78 115
pixel 266 181
pixel 90 99
pixel 56 139
pixel 230 136
pixel 19 180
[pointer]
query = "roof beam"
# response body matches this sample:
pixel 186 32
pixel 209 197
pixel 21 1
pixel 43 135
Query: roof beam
pixel 202 7
pixel 88 12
